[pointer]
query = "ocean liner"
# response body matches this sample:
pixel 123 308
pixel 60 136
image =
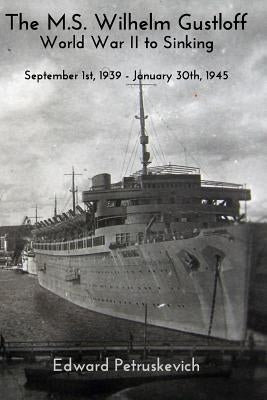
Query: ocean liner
pixel 162 244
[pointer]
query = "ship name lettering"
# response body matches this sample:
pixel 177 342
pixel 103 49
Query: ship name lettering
pixel 130 253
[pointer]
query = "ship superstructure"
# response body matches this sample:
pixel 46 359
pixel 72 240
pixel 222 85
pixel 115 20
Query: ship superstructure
pixel 161 242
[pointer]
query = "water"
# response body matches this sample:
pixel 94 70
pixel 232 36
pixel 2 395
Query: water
pixel 242 388
pixel 30 313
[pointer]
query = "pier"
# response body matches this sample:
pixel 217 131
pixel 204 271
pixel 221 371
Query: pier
pixel 44 349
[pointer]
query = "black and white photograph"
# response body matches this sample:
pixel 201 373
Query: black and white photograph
pixel 133 205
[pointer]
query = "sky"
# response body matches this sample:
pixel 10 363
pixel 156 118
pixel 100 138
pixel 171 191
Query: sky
pixel 50 126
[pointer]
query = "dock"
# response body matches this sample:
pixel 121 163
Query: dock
pixel 99 350
pixel 217 360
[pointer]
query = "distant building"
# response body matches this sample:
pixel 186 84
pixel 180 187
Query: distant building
pixel 13 238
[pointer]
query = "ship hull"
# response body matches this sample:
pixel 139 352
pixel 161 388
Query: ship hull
pixel 197 285
pixel 257 315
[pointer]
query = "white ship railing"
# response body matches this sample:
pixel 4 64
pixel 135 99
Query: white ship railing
pixel 169 169
pixel 224 185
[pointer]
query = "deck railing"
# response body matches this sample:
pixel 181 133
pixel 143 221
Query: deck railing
pixel 169 169
pixel 224 185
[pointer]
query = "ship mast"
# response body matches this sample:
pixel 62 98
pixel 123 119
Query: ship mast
pixel 36 216
pixel 143 136
pixel 73 190
pixel 55 198
pixel 55 208
pixel 142 117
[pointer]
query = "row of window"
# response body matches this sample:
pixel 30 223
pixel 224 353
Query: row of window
pixel 122 238
pixel 125 302
pixel 114 272
pixel 159 236
pixel 161 185
pixel 142 304
pixel 141 202
pixel 127 238
pixel 71 245
pixel 159 200
pixel 93 285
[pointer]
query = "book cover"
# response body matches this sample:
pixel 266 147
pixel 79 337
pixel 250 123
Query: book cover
pixel 133 201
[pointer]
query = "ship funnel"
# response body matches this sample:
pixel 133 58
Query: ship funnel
pixel 101 182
